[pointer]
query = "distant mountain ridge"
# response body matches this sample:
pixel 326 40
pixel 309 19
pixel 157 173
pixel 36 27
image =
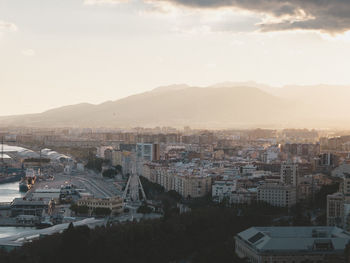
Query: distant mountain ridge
pixel 224 105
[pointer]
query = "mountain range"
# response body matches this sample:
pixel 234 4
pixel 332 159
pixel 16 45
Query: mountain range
pixel 224 105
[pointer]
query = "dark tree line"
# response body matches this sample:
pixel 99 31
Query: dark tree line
pixel 206 234
pixel 203 235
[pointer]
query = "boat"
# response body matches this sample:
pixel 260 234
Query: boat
pixel 27 181
pixel 23 185
pixel 10 178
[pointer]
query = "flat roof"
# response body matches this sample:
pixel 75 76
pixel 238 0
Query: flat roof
pixel 301 239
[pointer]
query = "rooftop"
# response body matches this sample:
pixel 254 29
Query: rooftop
pixel 300 239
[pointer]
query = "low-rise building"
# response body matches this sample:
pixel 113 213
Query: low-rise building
pixel 291 244
pixel 243 196
pixel 115 204
pixel 21 206
pixel 222 189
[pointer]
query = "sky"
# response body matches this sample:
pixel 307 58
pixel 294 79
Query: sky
pixel 62 52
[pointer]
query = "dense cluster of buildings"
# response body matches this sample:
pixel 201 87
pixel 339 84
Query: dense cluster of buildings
pixel 240 167
pixel 338 204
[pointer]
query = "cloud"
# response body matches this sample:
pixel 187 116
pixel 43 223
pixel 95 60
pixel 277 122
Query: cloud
pixel 101 2
pixel 331 16
pixel 7 27
pixel 28 52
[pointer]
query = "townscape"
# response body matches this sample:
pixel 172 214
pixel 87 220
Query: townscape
pixel 110 177
pixel 174 131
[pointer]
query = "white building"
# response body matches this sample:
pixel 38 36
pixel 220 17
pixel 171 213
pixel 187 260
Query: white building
pixel 145 151
pixel 222 189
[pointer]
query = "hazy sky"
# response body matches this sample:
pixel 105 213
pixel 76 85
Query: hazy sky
pixel 59 52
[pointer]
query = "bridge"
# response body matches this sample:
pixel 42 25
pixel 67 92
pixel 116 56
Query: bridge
pixel 19 239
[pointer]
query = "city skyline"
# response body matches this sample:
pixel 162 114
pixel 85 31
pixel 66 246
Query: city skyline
pixel 171 131
pixel 58 53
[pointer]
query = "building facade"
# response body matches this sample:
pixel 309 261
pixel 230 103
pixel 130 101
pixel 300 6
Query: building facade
pixel 115 204
pixel 335 209
pixel 289 174
pixel 277 195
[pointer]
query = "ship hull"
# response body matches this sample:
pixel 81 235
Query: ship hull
pixel 10 179
pixel 23 187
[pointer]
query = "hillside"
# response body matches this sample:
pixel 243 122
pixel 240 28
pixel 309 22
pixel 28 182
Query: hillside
pixel 221 106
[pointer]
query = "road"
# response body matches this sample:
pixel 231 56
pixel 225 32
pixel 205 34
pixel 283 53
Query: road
pixel 93 183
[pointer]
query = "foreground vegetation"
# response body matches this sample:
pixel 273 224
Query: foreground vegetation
pixel 203 235
pixel 206 234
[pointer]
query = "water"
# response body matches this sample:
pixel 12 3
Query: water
pixel 7 193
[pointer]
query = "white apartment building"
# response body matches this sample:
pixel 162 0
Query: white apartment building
pixel 222 189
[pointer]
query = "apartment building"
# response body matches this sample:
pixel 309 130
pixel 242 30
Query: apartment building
pixel 289 174
pixel 277 194
pixel 222 189
pixel 335 209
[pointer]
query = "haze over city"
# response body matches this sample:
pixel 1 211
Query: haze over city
pixel 174 131
pixel 57 53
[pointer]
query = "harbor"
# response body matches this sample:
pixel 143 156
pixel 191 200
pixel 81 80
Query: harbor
pixel 8 192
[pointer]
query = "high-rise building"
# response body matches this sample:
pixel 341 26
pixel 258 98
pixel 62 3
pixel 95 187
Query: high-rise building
pixel 289 174
pixel 147 152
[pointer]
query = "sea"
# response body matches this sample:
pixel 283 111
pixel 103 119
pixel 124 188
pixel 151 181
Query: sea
pixel 7 193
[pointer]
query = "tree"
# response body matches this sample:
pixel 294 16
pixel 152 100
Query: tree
pixel 205 234
pixel 110 173
pixel 95 163
pixel 119 169
pixel 174 195
pixel 144 209
pixel 101 211
pixel 82 210
pixel 320 200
